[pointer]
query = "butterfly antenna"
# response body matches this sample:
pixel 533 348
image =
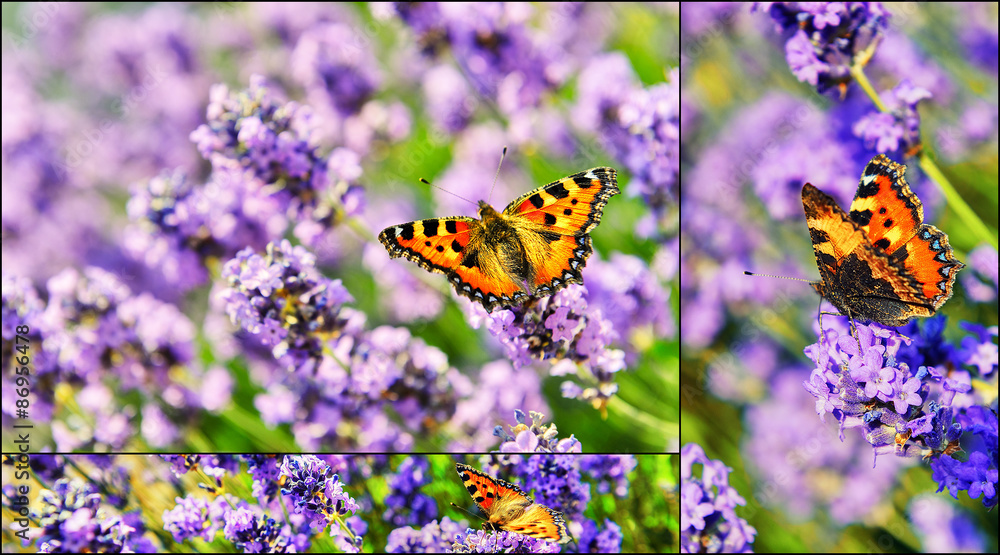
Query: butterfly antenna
pixel 497 176
pixel 468 512
pixel 424 181
pixel 779 277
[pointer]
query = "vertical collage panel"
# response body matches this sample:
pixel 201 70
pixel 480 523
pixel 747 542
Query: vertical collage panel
pixel 361 231
pixel 813 137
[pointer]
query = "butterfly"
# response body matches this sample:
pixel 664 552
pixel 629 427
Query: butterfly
pixel 509 508
pixel 880 262
pixel 536 246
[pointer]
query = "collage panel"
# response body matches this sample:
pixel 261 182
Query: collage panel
pixel 542 503
pixel 337 228
pixel 843 152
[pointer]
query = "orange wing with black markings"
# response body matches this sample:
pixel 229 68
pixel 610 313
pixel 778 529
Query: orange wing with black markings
pixel 880 263
pixel 537 245
pixel 509 508
pixel 892 216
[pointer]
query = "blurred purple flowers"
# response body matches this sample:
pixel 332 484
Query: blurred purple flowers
pixel 709 522
pixel 825 39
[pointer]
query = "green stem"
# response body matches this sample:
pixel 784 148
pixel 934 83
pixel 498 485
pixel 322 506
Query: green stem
pixel 955 200
pixel 958 204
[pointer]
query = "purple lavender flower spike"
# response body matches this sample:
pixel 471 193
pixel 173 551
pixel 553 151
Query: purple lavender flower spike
pixel 825 39
pixel 708 517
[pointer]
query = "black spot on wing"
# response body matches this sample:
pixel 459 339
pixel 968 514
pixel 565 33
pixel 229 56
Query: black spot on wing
pixel 471 259
pixel 456 246
pixel 583 182
pixel 861 217
pixel 549 236
pixel 451 226
pixel 406 232
pixel 882 243
pixel 888 223
pixel 557 191
pixel 550 219
pixel 866 190
pixel 430 228
pixel 818 236
pixel 826 259
pixel 536 200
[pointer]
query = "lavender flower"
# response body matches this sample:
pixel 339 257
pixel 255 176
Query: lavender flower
pixel 595 539
pixel 501 58
pixel 899 129
pixel 708 518
pixel 943 527
pixel 908 412
pixel 536 437
pixel 406 504
pixel 181 229
pixel 272 139
pixel 315 491
pixel 283 300
pixel 96 333
pixel 981 283
pixel 561 328
pixel 640 127
pixel 246 533
pixel 610 472
pixel 432 537
pixel 198 517
pixel 480 541
pixel 825 39
pixel 556 481
pixel 72 520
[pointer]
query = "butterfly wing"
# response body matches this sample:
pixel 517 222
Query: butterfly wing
pixel 892 216
pixel 451 246
pixel 541 522
pixel 509 508
pixel 857 277
pixel 489 492
pixel 884 207
pixel 553 223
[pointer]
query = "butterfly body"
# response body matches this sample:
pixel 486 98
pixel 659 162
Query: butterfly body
pixel 508 508
pixel 879 263
pixel 537 245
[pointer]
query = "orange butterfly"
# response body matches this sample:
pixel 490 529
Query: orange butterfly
pixel 509 508
pixel 537 245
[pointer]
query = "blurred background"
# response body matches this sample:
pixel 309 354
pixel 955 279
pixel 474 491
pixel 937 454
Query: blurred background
pixel 752 134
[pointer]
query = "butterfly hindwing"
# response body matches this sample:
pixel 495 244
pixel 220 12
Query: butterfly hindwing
pixel 541 522
pixel 507 507
pixel 929 258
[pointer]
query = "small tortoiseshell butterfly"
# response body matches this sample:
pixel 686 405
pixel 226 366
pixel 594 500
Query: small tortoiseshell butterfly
pixel 509 508
pixel 880 263
pixel 536 246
